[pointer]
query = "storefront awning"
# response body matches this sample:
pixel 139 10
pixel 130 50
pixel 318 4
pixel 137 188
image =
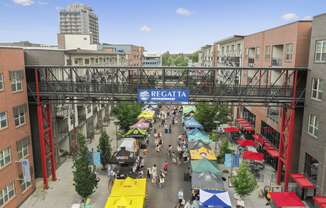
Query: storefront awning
pixel 249 155
pixel 286 199
pixel 231 129
pixel 302 181
pixel 320 201
pixel 258 138
pixel 246 142
pixel 240 119
pixel 272 152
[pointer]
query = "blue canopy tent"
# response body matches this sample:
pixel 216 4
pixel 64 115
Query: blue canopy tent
pixel 192 123
pixel 198 135
pixel 214 198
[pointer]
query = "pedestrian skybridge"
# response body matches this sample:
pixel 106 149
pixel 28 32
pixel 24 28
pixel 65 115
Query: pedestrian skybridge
pixel 253 86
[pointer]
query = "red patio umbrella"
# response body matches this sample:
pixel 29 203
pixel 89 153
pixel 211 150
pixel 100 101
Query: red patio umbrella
pixel 286 199
pixel 231 129
pixel 249 155
pixel 246 142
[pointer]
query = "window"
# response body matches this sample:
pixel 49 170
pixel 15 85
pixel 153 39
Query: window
pixel 5 157
pixel 19 114
pixel 24 184
pixel 2 84
pixel 239 48
pixel 22 148
pixel 320 51
pixel 3 120
pixel 313 125
pixel 267 53
pixel 317 89
pixel 257 53
pixel 89 108
pixel 7 193
pixel 288 52
pixel 16 78
pixel 86 61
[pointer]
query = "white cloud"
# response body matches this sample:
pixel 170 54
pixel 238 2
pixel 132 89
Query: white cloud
pixel 307 18
pixel 145 28
pixel 23 2
pixel 183 12
pixel 290 16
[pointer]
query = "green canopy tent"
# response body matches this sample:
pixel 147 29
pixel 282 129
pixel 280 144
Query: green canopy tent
pixel 187 109
pixel 204 165
pixel 136 133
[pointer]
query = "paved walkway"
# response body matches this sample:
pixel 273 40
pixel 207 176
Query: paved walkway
pixel 166 197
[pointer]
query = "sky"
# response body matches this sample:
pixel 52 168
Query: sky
pixel 158 25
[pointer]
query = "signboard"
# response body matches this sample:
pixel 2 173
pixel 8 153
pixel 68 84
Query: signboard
pixel 236 160
pixel 97 158
pixel 26 170
pixel 163 95
pixel 231 160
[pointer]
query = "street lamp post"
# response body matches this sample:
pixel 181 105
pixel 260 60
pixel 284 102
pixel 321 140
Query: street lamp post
pixel 116 123
pixel 217 133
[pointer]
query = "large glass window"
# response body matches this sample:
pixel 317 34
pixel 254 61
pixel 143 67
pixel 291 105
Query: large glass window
pixel 267 53
pixel 320 51
pixel 311 168
pixel 2 84
pixel 22 148
pixel 3 120
pixel 7 193
pixel 313 125
pixel 5 157
pixel 270 134
pixel 24 184
pixel 19 115
pixel 16 78
pixel 288 52
pixel 317 88
pixel 249 116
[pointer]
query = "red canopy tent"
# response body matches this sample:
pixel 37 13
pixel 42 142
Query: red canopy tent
pixel 249 128
pixel 231 129
pixel 249 155
pixel 258 138
pixel 320 201
pixel 240 119
pixel 272 152
pixel 286 199
pixel 246 142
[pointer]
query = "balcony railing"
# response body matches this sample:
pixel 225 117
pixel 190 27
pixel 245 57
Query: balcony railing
pixel 251 60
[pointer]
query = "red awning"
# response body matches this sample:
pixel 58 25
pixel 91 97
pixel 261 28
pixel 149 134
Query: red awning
pixel 249 155
pixel 286 199
pixel 258 138
pixel 320 201
pixel 240 119
pixel 302 181
pixel 272 152
pixel 246 142
pixel 231 129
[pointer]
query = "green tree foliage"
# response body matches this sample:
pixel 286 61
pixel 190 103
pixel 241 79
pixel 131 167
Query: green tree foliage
pixel 104 148
pixel 174 59
pixel 225 149
pixel 244 182
pixel 126 113
pixel 84 178
pixel 206 114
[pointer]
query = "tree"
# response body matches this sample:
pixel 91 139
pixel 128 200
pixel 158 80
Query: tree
pixel 104 148
pixel 84 178
pixel 244 182
pixel 225 149
pixel 206 114
pixel 126 113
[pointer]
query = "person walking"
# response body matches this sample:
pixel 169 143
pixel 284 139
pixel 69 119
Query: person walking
pixel 170 151
pixel 154 174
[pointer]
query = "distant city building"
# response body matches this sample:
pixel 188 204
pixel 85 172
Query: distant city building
pixel 205 56
pixel 79 19
pixel 134 54
pixel 152 59
pixel 15 129
pixel 27 44
pixel 230 51
pixel 75 41
pixel 313 148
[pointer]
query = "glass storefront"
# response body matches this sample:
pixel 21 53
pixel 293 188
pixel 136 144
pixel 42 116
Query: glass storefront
pixel 274 138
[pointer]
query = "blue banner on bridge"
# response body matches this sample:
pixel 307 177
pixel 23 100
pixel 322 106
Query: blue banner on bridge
pixel 163 95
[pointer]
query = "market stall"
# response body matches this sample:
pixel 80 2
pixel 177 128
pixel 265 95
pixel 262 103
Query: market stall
pixel 192 123
pixel 125 202
pixel 202 153
pixel 147 115
pixel 198 135
pixel 204 165
pixel 130 144
pixel 196 144
pixel 140 124
pixel 136 133
pixel 254 156
pixel 206 180
pixel 125 161
pixel 285 200
pixel 246 142
pixel 214 199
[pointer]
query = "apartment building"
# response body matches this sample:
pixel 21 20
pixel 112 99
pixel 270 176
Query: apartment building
pixel 79 19
pixel 152 59
pixel 313 140
pixel 134 54
pixel 15 133
pixel 284 46
pixel 205 56
pixel 230 51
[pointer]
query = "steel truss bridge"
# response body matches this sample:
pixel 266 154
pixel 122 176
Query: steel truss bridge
pixel 283 87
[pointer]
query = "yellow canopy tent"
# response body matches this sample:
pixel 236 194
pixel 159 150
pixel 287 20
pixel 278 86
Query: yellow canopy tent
pixel 125 202
pixel 147 115
pixel 202 153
